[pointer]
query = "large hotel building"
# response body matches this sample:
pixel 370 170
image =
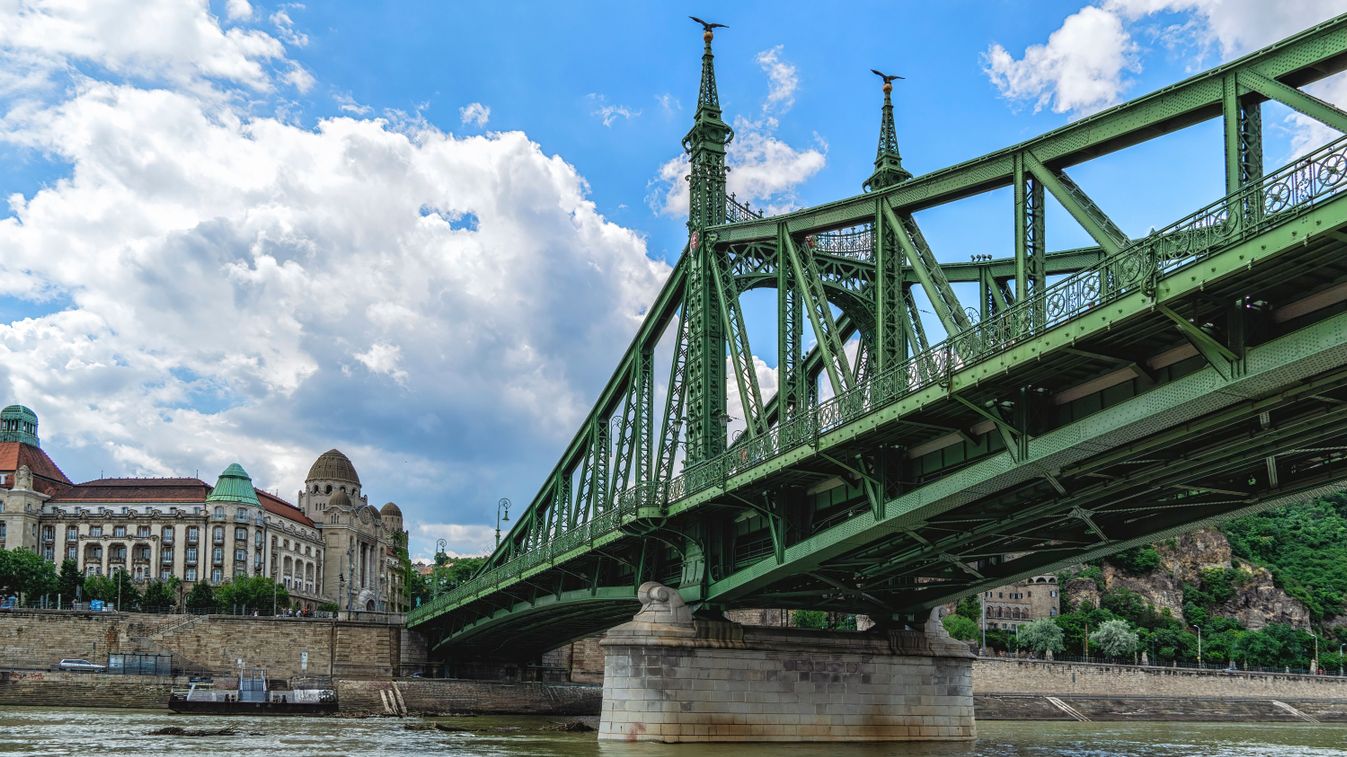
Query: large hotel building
pixel 332 548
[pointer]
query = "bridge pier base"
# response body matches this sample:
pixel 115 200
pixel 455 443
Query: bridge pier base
pixel 670 678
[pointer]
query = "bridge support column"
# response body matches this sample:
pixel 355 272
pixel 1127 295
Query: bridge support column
pixel 670 678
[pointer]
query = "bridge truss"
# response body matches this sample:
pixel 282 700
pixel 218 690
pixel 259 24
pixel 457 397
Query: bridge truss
pixel 1090 400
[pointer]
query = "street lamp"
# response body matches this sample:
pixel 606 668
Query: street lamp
pixel 1314 664
pixel 502 504
pixel 1340 647
pixel 1199 646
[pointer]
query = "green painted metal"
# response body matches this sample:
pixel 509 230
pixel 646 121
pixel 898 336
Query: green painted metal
pixel 234 485
pixel 936 468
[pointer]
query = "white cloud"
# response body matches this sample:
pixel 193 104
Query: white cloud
pixel 1083 65
pixel 238 10
pixel 384 359
pixel 230 286
pixel 285 29
pixel 765 170
pixel 609 113
pixel 782 78
pixel 177 41
pixel 474 114
pixel 461 540
pixel 1080 68
pixel 734 404
pixel 348 104
pixel 668 103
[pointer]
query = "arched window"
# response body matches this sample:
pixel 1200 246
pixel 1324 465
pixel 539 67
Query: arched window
pixel 219 513
pixel 328 489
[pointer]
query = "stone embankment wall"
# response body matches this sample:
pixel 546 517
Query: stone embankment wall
pixel 429 696
pixel 213 643
pixel 992 676
pixel 48 689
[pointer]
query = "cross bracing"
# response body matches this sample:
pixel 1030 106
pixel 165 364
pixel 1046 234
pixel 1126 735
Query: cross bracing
pixel 1158 383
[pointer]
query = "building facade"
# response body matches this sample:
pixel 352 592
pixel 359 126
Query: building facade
pixel 1012 605
pixel 157 528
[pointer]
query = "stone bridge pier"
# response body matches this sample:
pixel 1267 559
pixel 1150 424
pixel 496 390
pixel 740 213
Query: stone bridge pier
pixel 672 678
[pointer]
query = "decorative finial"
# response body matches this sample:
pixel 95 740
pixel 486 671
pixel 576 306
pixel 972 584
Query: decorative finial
pixel 707 29
pixel 888 79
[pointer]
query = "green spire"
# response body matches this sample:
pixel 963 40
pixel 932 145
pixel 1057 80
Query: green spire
pixel 888 163
pixel 706 144
pixel 18 424
pixel 234 485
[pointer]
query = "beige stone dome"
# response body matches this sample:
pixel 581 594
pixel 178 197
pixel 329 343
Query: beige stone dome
pixel 339 499
pixel 390 509
pixel 333 466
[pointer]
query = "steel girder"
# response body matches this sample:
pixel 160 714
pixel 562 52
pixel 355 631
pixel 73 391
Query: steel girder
pixel 612 479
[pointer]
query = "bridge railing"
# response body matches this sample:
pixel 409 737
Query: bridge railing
pixel 1277 198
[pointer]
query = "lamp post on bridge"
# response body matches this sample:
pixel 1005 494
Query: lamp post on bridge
pixel 502 504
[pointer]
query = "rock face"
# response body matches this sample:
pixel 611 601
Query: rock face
pixel 1257 601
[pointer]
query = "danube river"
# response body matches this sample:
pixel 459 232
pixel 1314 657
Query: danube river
pixel 41 731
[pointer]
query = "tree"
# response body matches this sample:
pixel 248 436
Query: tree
pixel 161 595
pixel 23 571
pixel 69 583
pixel 960 627
pixel 201 597
pixel 1042 636
pixel 247 594
pixel 117 590
pixel 1115 638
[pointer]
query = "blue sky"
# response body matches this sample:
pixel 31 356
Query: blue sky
pixel 423 232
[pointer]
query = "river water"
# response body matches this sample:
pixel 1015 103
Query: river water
pixel 41 731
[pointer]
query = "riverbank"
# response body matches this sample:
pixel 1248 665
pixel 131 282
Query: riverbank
pixel 34 730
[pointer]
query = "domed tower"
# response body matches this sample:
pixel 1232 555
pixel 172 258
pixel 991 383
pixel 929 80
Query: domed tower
pixel 391 515
pixel 332 472
pixel 18 424
pixel 234 485
pixel 237 525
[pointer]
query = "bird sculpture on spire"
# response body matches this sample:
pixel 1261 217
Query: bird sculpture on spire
pixel 708 28
pixel 888 79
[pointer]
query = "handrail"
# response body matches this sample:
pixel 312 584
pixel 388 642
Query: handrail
pixel 1277 198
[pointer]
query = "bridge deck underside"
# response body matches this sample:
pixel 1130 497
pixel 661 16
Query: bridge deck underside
pixel 1128 432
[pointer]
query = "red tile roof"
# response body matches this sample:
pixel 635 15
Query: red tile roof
pixel 135 490
pixel 47 477
pixel 277 506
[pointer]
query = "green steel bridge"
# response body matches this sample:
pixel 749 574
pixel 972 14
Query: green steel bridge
pixel 1088 401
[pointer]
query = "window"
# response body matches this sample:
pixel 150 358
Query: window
pixel 191 554
pixel 165 574
pixel 217 555
pixel 72 552
pixel 143 532
pixel 118 531
pixel 217 534
pixel 189 574
pixel 72 533
pixel 193 534
pixel 49 553
pixel 241 515
pixel 216 575
pixel 1052 612
pixel 240 555
pixel 166 535
pixel 1054 594
pixel 257 538
pixel 240 534
pixel 49 533
pixel 166 556
pixel 95 530
pixel 287 543
pixel 219 513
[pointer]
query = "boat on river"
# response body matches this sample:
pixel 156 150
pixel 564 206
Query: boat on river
pixel 253 696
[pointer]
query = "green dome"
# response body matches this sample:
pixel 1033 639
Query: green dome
pixel 234 485
pixel 18 424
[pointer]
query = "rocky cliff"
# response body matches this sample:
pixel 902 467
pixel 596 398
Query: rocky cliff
pixel 1192 560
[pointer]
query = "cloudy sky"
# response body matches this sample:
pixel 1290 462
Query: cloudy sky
pixel 423 232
